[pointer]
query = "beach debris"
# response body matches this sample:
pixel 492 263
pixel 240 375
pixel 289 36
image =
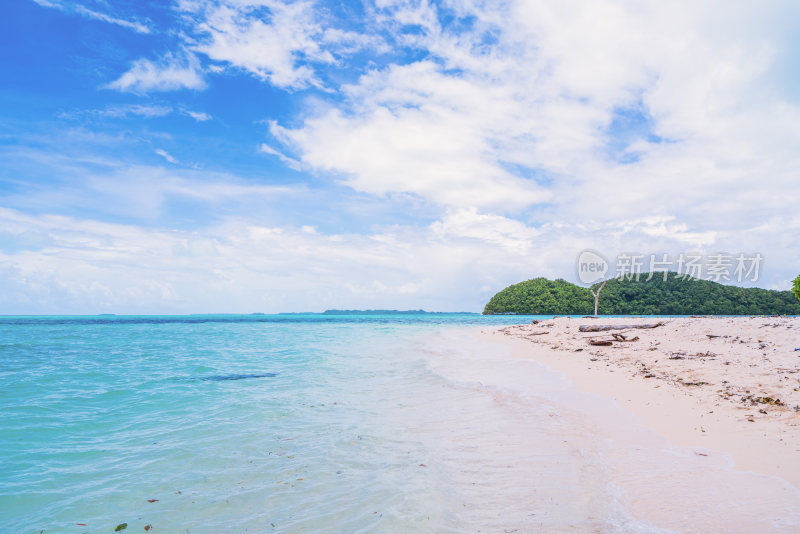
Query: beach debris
pixel 600 342
pixel 538 333
pixel 535 321
pixel 604 327
pixel 620 337
pixel 121 526
pixel 711 336
pixel 762 400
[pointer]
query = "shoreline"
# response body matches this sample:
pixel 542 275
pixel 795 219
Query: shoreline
pixel 728 385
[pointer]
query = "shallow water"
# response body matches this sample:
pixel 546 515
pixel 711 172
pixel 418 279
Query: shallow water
pixel 311 424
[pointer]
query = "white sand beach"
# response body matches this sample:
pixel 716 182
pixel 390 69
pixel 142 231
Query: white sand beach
pixel 730 384
pixel 718 396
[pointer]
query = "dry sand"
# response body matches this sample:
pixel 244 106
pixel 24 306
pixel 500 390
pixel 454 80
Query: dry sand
pixel 724 384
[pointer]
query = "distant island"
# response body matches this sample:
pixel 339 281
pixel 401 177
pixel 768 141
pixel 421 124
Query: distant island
pixel 678 295
pixel 390 312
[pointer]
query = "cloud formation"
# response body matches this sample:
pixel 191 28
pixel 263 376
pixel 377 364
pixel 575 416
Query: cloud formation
pixel 530 103
pixel 509 135
pixel 169 74
pixel 80 9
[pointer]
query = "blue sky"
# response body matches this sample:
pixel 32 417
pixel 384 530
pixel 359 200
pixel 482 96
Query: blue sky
pixel 255 155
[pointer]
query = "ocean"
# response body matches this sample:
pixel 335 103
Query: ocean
pixel 291 423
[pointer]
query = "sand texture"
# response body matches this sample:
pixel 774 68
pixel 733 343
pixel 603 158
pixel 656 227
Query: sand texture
pixel 728 384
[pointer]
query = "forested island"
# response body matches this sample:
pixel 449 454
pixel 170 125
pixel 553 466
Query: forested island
pixel 677 295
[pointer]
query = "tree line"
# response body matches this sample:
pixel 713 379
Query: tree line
pixel 677 295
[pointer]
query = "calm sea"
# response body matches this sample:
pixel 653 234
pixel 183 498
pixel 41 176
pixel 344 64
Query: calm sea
pixel 288 423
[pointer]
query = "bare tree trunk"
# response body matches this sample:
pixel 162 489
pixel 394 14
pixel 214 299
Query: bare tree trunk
pixel 604 327
pixel 597 295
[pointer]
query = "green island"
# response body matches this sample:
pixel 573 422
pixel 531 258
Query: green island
pixel 677 295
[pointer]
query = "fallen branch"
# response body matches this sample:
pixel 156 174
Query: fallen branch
pixel 537 333
pixel 604 327
pixel 600 342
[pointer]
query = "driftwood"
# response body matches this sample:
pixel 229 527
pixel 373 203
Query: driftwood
pixel 600 343
pixel 620 337
pixel 604 327
pixel 537 333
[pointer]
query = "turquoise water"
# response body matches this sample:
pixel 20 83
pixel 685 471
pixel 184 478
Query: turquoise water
pixel 233 423
pixel 334 424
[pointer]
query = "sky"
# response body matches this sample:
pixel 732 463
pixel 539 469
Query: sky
pixel 239 156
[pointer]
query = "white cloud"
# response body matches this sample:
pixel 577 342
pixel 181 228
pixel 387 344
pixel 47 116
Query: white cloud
pixel 134 25
pixel 278 42
pixel 119 111
pixel 88 266
pixel 110 188
pixel 199 116
pixel 148 111
pixel 134 109
pixel 166 155
pixel 413 129
pixel 519 109
pixel 69 265
pixel 507 233
pixel 170 74
pixel 269 47
pixel 290 162
pixel 143 191
pixel 511 129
